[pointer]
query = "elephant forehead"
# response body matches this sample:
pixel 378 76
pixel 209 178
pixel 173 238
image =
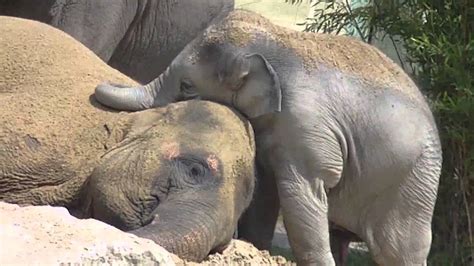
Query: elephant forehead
pixel 199 129
pixel 216 134
pixel 173 150
pixel 195 125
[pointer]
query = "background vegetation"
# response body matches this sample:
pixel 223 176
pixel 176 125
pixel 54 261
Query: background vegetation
pixel 433 42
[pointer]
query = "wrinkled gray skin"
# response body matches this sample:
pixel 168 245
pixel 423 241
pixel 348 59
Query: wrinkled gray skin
pixel 177 177
pixel 140 38
pixel 180 175
pixel 336 146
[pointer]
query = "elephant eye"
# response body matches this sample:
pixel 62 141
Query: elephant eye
pixel 197 170
pixel 190 171
pixel 187 90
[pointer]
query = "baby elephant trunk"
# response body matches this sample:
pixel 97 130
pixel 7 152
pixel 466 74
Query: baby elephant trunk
pixel 124 98
pixel 138 98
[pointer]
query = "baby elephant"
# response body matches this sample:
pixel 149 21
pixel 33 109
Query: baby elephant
pixel 181 175
pixel 342 134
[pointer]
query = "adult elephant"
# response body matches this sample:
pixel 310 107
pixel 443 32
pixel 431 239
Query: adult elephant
pixel 138 37
pixel 180 175
pixel 343 134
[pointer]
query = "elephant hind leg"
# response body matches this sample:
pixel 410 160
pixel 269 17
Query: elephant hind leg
pixel 391 245
pixel 398 225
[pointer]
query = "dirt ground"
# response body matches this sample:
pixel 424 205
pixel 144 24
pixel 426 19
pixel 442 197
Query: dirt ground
pixel 240 253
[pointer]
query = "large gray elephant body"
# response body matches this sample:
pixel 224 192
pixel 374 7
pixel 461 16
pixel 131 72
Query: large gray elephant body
pixel 140 38
pixel 180 175
pixel 343 134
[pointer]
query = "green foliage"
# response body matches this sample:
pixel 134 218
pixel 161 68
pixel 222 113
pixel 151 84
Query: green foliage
pixel 437 38
pixel 359 258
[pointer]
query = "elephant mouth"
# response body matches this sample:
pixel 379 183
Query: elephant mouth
pixel 148 214
pixel 141 218
pixel 182 227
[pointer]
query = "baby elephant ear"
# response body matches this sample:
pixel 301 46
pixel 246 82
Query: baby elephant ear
pixel 260 92
pixel 254 82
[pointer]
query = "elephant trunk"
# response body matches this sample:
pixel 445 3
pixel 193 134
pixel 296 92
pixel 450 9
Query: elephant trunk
pixel 188 229
pixel 133 98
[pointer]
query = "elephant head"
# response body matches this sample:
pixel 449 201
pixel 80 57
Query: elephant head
pixel 180 175
pixel 212 67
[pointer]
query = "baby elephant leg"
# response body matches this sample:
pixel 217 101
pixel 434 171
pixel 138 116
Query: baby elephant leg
pixel 303 170
pixel 304 207
pixel 397 239
pixel 398 228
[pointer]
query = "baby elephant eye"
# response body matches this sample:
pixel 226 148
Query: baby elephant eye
pixel 186 86
pixel 187 90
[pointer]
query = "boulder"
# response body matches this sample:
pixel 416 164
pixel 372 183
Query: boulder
pixel 50 236
pixel 46 235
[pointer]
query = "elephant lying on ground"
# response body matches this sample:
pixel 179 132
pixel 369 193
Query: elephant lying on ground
pixel 139 37
pixel 180 175
pixel 343 134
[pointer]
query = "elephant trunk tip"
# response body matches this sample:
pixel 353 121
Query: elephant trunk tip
pixel 123 98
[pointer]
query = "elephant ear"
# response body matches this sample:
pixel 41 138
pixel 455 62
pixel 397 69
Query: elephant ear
pixel 255 84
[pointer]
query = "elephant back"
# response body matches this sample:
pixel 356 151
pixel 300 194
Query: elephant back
pixel 51 132
pixel 316 52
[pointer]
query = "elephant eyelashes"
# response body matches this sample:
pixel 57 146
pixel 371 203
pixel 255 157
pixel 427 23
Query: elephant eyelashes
pixel 187 90
pixel 194 170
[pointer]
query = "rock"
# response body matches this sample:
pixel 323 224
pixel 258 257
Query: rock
pixel 50 236
pixel 45 235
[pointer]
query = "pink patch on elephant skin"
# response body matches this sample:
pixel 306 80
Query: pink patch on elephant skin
pixel 171 150
pixel 213 162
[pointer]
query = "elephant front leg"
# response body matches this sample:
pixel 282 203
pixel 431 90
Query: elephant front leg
pixel 257 225
pixel 304 205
